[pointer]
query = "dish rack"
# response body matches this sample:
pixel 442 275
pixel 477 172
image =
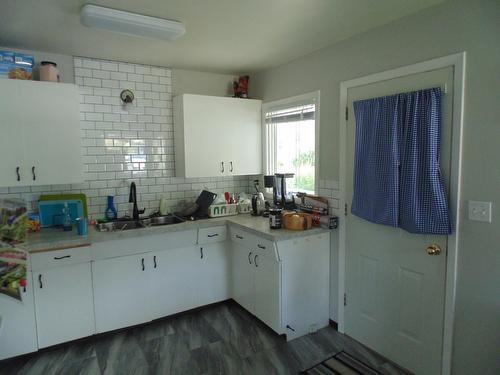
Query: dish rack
pixel 244 208
pixel 218 210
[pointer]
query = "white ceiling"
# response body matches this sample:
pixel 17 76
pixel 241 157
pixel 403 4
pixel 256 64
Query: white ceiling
pixel 230 36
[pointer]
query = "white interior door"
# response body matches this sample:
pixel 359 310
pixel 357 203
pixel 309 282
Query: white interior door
pixel 395 290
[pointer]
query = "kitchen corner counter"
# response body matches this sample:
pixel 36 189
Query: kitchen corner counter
pixel 50 239
pixel 56 239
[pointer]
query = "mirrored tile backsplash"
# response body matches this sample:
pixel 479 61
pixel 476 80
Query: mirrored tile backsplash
pixel 128 142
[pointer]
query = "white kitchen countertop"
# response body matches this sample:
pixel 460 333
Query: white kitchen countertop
pixel 56 239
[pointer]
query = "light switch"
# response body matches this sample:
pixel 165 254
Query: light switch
pixel 480 211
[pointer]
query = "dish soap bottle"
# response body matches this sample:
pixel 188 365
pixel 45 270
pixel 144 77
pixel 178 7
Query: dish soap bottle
pixel 110 212
pixel 67 225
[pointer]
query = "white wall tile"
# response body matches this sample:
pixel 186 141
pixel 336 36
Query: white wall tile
pixel 124 143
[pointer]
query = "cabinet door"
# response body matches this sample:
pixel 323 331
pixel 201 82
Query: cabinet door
pixel 244 150
pixel 206 135
pixel 267 290
pixel 17 323
pixel 11 136
pixel 213 274
pixel 64 304
pixel 242 276
pixel 51 133
pixel 173 280
pixel 122 292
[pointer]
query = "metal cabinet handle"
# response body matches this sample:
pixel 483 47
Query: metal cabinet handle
pixel 221 167
pixel 230 166
pixel 65 256
pixel 154 261
pixel 40 281
pixel 201 253
pixel 213 235
pixel 33 172
pixel 142 262
pixel 255 260
pixel 249 259
pixel 261 246
pixel 239 237
pixel 18 175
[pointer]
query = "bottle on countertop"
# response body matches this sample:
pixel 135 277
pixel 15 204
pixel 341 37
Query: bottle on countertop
pixel 67 224
pixel 111 213
pixel 163 207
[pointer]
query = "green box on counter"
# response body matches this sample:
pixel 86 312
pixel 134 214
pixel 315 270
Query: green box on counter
pixel 16 65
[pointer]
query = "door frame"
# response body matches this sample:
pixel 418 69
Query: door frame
pixel 457 61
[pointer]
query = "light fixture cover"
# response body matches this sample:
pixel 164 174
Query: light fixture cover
pixel 130 23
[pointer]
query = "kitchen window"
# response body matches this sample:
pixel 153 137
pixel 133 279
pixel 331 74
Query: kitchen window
pixel 291 129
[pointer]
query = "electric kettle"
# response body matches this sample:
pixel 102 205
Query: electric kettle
pixel 258 204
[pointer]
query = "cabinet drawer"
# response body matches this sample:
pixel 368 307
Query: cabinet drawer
pixel 211 235
pixel 56 258
pixel 253 243
pixel 264 247
pixel 241 237
pixel 143 243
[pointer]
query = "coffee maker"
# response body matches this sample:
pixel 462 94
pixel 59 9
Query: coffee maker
pixel 281 198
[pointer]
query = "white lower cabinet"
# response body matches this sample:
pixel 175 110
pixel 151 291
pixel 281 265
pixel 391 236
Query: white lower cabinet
pixel 122 293
pixel 242 277
pixel 256 284
pixel 63 303
pixel 17 323
pixel 173 280
pixel 267 273
pixel 212 280
pixel 135 289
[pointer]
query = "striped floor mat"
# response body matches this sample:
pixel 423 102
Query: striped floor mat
pixel 341 364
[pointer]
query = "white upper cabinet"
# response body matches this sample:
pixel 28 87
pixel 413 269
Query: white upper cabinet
pixel 217 136
pixel 40 133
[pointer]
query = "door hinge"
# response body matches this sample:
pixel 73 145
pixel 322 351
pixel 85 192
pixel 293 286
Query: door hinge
pixel 346 113
pixel 345 299
pixel 345 209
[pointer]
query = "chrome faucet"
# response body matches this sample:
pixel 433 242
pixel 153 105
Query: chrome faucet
pixel 133 199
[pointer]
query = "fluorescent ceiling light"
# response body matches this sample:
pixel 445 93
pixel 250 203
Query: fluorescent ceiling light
pixel 130 23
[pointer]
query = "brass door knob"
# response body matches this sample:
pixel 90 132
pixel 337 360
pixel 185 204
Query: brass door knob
pixel 434 249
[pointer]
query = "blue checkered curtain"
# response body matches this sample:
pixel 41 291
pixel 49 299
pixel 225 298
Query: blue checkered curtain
pixel 397 177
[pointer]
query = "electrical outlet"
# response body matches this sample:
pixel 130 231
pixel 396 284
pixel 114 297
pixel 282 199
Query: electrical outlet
pixel 480 211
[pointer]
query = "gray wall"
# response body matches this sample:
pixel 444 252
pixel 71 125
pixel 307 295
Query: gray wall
pixel 457 25
pixel 201 83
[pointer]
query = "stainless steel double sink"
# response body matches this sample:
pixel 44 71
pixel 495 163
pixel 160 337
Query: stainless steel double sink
pixel 120 225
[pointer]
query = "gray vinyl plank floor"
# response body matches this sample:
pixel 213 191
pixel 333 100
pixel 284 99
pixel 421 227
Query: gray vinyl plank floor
pixel 218 339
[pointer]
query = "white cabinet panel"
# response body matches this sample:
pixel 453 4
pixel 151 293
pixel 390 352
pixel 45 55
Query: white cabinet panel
pixel 11 140
pixel 52 133
pixel 242 276
pixel 305 283
pixel 213 274
pixel 173 280
pixel 267 291
pixel 217 136
pixel 122 292
pixel 17 323
pixel 63 304
pixel 40 130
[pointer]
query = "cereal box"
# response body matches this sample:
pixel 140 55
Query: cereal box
pixel 16 65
